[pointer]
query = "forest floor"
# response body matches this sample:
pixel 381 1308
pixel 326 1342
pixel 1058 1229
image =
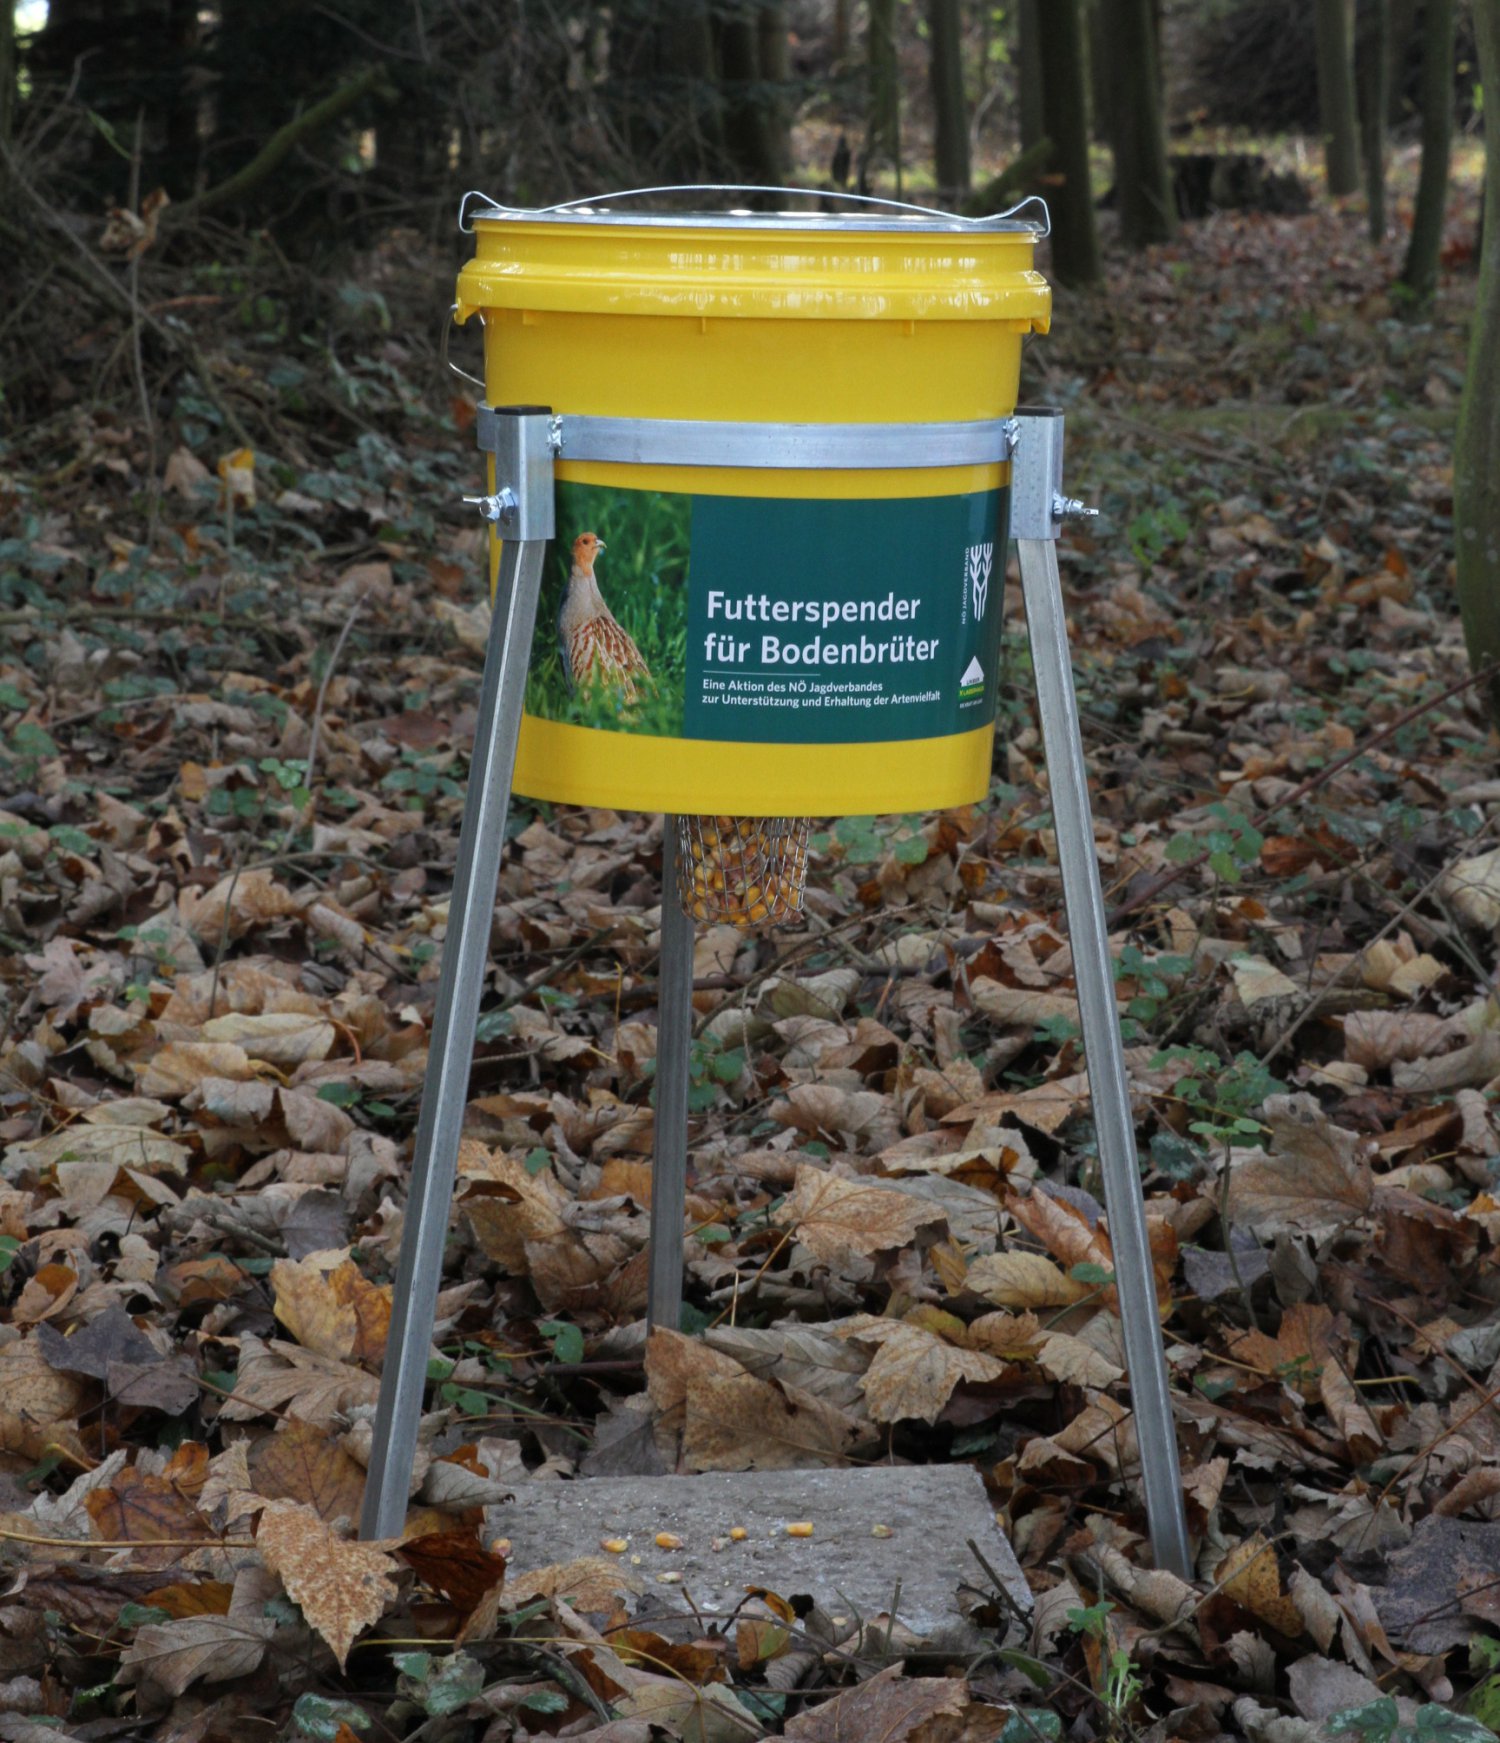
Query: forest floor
pixel 235 717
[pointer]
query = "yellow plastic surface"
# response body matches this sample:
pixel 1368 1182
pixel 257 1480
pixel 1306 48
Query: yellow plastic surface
pixel 756 326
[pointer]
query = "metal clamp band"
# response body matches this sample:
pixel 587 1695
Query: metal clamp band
pixel 822 447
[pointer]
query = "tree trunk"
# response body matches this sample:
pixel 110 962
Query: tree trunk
pixel 754 130
pixel 1335 47
pixel 883 128
pixel 1420 273
pixel 1075 242
pixel 1372 68
pixel 950 108
pixel 1476 461
pixel 840 42
pixel 7 71
pixel 1103 91
pixel 1143 180
pixel 1029 55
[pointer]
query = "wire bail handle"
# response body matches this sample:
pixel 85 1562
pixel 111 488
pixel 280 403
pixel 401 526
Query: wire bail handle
pixel 499 209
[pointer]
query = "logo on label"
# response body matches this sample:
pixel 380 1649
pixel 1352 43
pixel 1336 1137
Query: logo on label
pixel 978 562
pixel 971 684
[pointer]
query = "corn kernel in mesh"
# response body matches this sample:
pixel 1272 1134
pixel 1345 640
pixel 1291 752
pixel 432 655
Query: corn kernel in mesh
pixel 743 871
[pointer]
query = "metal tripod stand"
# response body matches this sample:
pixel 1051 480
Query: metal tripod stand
pixel 524 441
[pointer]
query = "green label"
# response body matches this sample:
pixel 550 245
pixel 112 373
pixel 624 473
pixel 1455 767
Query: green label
pixel 766 620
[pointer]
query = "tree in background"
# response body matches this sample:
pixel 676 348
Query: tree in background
pixel 1065 110
pixel 1336 108
pixel 1420 272
pixel 1372 75
pixel 883 115
pixel 1143 180
pixel 949 105
pixel 752 56
pixel 1029 55
pixel 1476 460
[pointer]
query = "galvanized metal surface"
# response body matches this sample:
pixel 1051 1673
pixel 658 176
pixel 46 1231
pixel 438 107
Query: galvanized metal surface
pixel 674 1047
pixel 460 984
pixel 1093 970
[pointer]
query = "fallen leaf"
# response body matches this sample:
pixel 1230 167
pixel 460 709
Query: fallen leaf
pixel 326 1303
pixel 1025 1280
pixel 738 1423
pixel 834 1217
pixel 165 1657
pixel 1316 1176
pixel 341 1587
pixel 1249 1575
pixel 913 1372
pixel 304 1463
pixel 888 1707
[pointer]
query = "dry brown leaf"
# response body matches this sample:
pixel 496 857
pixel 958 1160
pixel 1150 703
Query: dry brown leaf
pixel 304 1463
pixel 738 1423
pixel 182 1066
pixel 282 1038
pixel 674 1361
pixel 508 1206
pixel 325 1302
pixel 834 1217
pixel 163 1658
pixel 38 1405
pixel 341 1587
pixel 1250 1576
pixel 1026 1280
pixel 456 1564
pixel 141 1507
pixel 1021 1006
pixel 281 1376
pixel 592 1583
pixel 913 1372
pixel 1316 1176
pixel 1076 1363
pixel 888 1707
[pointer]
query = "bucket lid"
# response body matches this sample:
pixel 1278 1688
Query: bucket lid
pixel 874 215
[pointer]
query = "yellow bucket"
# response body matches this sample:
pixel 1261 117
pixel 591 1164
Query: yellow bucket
pixel 809 639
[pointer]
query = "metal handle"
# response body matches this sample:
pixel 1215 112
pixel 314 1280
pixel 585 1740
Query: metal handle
pixel 443 358
pixel 497 209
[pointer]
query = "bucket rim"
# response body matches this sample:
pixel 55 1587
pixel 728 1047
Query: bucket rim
pixel 886 217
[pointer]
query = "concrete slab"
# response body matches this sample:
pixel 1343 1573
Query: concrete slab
pixel 929 1511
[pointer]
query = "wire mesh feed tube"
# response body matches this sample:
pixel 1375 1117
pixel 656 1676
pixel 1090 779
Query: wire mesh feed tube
pixel 1093 970
pixel 746 871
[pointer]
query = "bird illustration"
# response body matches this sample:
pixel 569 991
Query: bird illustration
pixel 595 650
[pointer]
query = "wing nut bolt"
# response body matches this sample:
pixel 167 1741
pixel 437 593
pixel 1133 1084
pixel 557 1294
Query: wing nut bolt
pixel 501 507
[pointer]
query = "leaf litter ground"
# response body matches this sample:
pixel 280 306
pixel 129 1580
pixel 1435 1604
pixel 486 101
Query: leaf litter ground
pixel 233 772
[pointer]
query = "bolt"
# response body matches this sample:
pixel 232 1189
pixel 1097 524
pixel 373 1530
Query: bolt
pixel 501 506
pixel 1065 506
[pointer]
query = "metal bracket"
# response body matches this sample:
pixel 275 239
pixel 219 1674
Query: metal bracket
pixel 524 472
pixel 520 438
pixel 829 447
pixel 1037 504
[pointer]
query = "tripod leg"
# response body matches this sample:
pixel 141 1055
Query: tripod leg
pixel 1047 627
pixel 674 1046
pixel 445 1091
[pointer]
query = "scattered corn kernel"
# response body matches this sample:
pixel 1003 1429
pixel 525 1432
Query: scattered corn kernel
pixel 800 1528
pixel 670 1579
pixel 738 1534
pixel 500 1546
pixel 635 1561
pixel 881 1531
pixel 615 1545
pixel 668 1540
